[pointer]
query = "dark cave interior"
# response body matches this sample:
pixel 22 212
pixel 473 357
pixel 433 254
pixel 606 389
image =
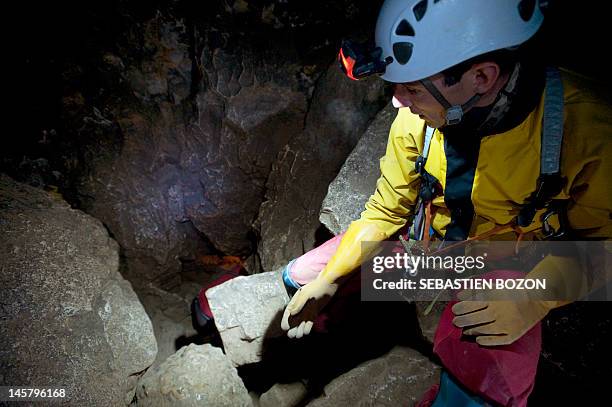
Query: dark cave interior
pixel 198 132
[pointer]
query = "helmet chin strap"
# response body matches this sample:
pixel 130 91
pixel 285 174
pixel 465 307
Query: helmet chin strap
pixel 454 113
pixel 502 103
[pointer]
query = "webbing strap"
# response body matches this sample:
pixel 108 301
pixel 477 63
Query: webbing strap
pixel 550 181
pixel 419 165
pixel 427 187
pixel 429 131
pixel 552 133
pixel 503 102
pixel 454 113
pixel 435 93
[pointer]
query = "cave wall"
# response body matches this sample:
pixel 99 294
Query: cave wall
pixel 289 218
pixel 190 157
pixel 176 120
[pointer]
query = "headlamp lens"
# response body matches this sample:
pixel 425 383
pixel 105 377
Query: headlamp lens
pixel 357 63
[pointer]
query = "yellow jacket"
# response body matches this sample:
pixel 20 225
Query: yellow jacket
pixel 507 169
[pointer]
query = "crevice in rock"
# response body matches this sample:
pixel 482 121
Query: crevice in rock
pixel 322 235
pixel 320 357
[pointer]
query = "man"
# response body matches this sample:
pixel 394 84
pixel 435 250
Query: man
pixel 467 70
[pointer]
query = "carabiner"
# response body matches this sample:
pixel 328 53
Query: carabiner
pixel 549 231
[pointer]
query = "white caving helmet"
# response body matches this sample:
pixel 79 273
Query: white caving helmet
pixel 425 37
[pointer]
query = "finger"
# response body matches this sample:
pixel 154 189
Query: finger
pixel 300 330
pixel 285 320
pixel 476 318
pixel 297 302
pixel 493 340
pixel 308 327
pixel 465 307
pixel 465 295
pixel 487 329
pixel 292 333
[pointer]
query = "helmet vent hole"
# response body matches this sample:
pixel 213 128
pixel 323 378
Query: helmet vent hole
pixel 404 28
pixel 526 9
pixel 402 52
pixel 420 9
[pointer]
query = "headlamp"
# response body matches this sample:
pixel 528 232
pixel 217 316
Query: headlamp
pixel 357 62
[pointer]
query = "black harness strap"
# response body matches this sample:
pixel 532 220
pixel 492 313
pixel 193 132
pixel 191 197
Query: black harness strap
pixel 550 182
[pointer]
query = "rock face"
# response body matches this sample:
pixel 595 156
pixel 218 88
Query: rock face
pixel 283 395
pixel 170 316
pixel 186 160
pixel 356 181
pixel 196 375
pixel 68 317
pixel 247 310
pixel 174 113
pixel 399 378
pixel 340 112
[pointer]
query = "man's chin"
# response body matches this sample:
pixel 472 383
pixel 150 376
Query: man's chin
pixel 431 123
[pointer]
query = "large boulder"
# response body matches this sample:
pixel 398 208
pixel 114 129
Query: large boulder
pixel 68 317
pixel 283 395
pixel 356 181
pixel 178 164
pixel 340 112
pixel 171 319
pixel 398 378
pixel 246 312
pixel 196 375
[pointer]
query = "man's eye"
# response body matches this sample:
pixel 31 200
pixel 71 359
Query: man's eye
pixel 408 90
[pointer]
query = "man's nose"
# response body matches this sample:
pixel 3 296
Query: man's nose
pixel 400 99
pixel 400 102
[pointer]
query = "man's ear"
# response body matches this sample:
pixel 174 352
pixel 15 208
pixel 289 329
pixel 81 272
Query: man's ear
pixel 483 76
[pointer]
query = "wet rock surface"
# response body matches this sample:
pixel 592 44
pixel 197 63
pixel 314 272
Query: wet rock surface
pixel 196 375
pixel 400 377
pixel 246 312
pixel 68 317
